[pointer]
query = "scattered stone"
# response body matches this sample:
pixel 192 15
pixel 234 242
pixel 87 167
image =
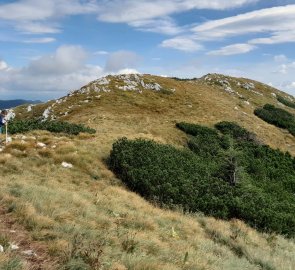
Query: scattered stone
pixel 248 86
pixel 10 115
pixel 29 253
pixel 103 81
pixel 41 145
pixel 229 89
pixel 46 113
pixel 1 248
pixel 274 95
pixel 67 165
pixel 14 247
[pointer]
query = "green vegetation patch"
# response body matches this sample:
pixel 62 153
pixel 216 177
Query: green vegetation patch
pixel 183 79
pixel 286 102
pixel 22 126
pixel 276 116
pixel 235 131
pixel 226 175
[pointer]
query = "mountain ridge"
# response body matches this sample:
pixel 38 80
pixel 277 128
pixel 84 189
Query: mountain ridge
pixel 208 100
pixel 8 104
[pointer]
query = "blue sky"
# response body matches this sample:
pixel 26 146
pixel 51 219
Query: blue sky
pixel 49 47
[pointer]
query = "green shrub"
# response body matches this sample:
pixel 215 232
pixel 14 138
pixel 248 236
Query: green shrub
pixel 235 131
pixel 22 126
pixel 194 130
pixel 286 102
pixel 224 177
pixel 170 176
pixel 276 116
pixel 183 79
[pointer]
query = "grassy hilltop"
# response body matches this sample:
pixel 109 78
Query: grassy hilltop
pixel 85 217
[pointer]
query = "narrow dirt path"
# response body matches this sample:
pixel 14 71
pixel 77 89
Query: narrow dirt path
pixel 32 252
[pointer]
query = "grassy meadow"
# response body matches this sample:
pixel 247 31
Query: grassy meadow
pixel 85 218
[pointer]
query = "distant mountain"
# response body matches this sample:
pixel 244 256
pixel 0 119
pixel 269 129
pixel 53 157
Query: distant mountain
pixel 7 104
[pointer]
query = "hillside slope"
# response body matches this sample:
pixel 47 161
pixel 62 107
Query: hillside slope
pixel 84 218
pixel 135 104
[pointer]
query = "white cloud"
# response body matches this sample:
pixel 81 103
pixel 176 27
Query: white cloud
pixel 26 10
pixel 182 43
pixel 37 28
pixel 278 21
pixel 164 26
pixel 54 75
pixel 153 15
pixel 283 69
pixel 121 60
pixel 19 83
pixel 128 71
pixel 35 16
pixel 40 40
pixel 35 10
pixel 280 58
pixel 276 24
pixel 233 49
pixel 129 10
pixel 276 38
pixel 3 65
pixel 291 86
pixel 286 67
pixel 40 17
pixel 65 60
pixel 50 75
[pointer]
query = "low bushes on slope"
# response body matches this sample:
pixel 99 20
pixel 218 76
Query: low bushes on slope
pixel 276 116
pixel 205 142
pixel 236 132
pixel 233 177
pixel 170 176
pixel 286 102
pixel 22 126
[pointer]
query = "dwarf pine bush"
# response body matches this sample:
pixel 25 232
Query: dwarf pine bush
pixel 278 117
pixel 286 102
pixel 226 175
pixel 22 126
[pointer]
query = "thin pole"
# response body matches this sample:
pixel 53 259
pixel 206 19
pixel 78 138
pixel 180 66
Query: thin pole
pixel 6 137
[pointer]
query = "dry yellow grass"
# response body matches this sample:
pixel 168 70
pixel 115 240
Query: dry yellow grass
pixel 86 210
pixel 61 208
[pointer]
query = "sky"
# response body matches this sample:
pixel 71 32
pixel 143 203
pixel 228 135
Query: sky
pixel 50 47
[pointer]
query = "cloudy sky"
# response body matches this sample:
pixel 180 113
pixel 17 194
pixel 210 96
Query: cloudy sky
pixel 49 47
